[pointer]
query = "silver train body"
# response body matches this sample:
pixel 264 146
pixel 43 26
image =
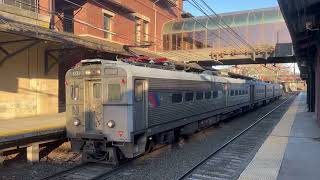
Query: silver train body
pixel 116 110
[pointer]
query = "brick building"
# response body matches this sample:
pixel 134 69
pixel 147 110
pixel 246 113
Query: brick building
pixel 123 21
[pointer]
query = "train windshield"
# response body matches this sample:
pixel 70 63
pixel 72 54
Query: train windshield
pixel 96 90
pixel 114 92
pixel 74 92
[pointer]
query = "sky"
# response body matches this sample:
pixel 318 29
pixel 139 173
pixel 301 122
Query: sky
pixel 222 6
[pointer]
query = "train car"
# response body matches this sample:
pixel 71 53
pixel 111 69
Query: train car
pixel 116 110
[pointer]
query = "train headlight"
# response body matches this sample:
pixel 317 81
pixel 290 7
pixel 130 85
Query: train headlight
pixel 76 122
pixel 98 71
pixel 87 72
pixel 111 124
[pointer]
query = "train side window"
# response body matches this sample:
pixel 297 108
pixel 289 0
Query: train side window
pixel 138 91
pixel 114 92
pixel 74 92
pixel 96 90
pixel 232 93
pixel 214 94
pixel 189 96
pixel 236 93
pixel 176 98
pixel 240 92
pixel 199 95
pixel 207 95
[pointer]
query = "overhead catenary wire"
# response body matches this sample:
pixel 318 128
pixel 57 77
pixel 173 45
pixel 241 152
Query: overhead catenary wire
pixel 193 53
pixel 197 6
pixel 87 24
pixel 228 27
pixel 215 34
pixel 177 54
pixel 187 56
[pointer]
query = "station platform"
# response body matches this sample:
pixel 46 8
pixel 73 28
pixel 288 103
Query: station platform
pixel 291 151
pixel 31 132
pixel 13 129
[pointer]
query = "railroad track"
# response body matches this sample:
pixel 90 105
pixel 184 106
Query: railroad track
pixel 224 162
pixel 85 171
pixel 91 171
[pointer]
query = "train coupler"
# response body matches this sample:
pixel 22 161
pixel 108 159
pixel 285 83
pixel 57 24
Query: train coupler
pixel 97 151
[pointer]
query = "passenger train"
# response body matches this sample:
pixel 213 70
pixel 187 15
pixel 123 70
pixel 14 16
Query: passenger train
pixel 117 110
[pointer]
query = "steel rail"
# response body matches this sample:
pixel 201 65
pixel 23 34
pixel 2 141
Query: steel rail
pixel 189 172
pixel 67 171
pixel 101 175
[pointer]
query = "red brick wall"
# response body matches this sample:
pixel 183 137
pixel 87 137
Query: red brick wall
pixel 123 24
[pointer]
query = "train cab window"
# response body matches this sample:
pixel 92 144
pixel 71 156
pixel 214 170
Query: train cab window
pixel 236 93
pixel 214 94
pixel 138 91
pixel 199 95
pixel 96 90
pixel 114 92
pixel 176 98
pixel 189 96
pixel 74 92
pixel 207 95
pixel 232 93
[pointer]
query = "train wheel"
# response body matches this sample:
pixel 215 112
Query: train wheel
pixel 112 156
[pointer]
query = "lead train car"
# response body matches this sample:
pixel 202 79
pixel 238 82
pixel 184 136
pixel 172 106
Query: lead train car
pixel 116 110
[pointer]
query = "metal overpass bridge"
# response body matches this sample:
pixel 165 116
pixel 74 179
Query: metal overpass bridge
pixel 203 40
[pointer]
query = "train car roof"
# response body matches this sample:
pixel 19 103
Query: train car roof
pixel 139 71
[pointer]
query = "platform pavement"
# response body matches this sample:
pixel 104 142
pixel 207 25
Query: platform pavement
pixel 291 152
pixel 14 128
pixel 30 133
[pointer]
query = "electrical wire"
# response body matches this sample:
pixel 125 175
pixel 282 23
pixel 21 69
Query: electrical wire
pixel 86 24
pixel 231 29
pixel 196 5
pixel 195 19
pixel 193 53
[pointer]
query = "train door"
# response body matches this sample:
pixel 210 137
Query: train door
pixel 273 90
pixel 251 94
pixel 265 91
pixel 140 104
pixel 93 102
pixel 226 93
